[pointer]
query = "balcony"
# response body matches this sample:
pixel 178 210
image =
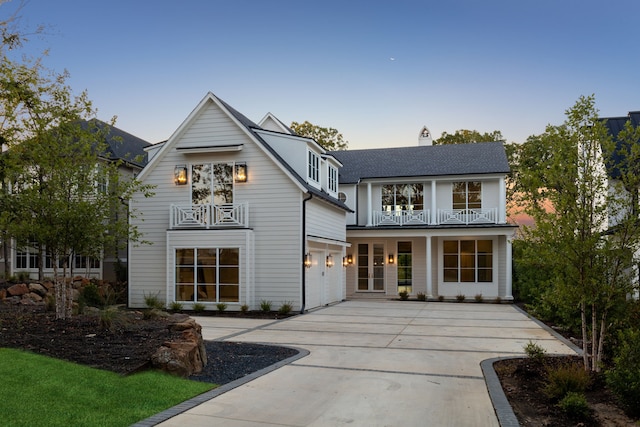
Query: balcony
pixel 209 216
pixel 443 217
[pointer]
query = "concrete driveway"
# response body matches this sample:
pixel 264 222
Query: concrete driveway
pixel 373 363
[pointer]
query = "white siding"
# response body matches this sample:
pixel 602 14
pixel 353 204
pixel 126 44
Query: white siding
pixel 326 221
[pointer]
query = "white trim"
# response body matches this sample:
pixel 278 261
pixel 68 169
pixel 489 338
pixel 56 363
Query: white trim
pixel 210 149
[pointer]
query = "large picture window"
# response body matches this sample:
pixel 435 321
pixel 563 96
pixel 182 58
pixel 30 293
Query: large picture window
pixel 402 197
pixel 207 274
pixel 467 195
pixel 468 260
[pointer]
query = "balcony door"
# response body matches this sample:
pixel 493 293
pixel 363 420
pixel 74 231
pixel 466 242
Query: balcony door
pixel 212 183
pixel 371 267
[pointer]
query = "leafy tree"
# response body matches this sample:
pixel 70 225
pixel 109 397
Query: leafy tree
pixel 329 138
pixel 564 186
pixel 465 136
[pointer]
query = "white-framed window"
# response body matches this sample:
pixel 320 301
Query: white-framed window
pixel 467 195
pixel 314 167
pixel 207 274
pixel 333 179
pixel 402 197
pixel 405 267
pixel 468 260
pixel 212 183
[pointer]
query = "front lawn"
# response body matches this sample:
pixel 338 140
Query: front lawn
pixel 41 391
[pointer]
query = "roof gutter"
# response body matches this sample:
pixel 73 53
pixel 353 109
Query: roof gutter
pixel 304 247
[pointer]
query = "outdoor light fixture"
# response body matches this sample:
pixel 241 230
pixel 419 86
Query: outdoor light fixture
pixel 345 261
pixel 307 260
pixel 329 261
pixel 391 259
pixel 180 174
pixel 241 172
pixel 349 259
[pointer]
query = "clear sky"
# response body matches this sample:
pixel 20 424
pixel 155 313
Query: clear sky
pixel 375 70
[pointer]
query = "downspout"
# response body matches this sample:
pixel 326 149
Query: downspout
pixel 304 247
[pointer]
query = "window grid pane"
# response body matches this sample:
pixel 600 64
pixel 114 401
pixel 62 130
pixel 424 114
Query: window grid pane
pixel 467 260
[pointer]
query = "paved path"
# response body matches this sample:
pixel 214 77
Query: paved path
pixel 373 363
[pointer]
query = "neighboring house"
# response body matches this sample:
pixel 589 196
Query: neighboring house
pixel 25 259
pixel 427 219
pixel 246 212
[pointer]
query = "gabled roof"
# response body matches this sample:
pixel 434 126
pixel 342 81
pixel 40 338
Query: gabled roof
pixel 615 125
pixel 122 145
pixel 437 160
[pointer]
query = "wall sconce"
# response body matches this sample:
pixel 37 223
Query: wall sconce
pixel 241 172
pixel 349 260
pixel 180 175
pixel 345 261
pixel 391 259
pixel 307 260
pixel 329 261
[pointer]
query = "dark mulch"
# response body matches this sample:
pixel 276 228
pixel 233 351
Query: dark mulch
pixel 126 347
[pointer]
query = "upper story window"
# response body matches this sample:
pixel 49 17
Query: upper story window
pixel 333 179
pixel 212 183
pixel 467 195
pixel 402 197
pixel 314 167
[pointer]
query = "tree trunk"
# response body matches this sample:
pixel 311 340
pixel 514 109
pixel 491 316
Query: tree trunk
pixel 585 338
pixel 603 329
pixel 594 337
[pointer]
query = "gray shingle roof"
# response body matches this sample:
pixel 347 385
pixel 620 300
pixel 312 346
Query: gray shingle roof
pixel 615 125
pixel 122 145
pixel 437 160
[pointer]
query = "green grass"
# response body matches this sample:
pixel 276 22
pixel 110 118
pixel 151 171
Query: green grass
pixel 42 391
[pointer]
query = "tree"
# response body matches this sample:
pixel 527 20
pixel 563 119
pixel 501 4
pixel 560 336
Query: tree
pixel 329 138
pixel 465 136
pixel 564 185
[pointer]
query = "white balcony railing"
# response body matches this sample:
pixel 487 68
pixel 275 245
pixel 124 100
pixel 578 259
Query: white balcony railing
pixel 209 216
pixel 400 218
pixel 468 216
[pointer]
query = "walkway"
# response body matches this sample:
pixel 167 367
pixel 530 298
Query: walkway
pixel 373 363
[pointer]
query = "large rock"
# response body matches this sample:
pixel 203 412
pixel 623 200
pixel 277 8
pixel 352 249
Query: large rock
pixel 18 290
pixel 184 356
pixel 37 288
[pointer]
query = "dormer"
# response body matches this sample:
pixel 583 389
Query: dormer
pixel 272 123
pixel 424 137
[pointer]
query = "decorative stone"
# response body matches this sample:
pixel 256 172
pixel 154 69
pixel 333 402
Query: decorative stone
pixel 3 294
pixel 185 356
pixel 37 288
pixel 18 290
pixel 33 297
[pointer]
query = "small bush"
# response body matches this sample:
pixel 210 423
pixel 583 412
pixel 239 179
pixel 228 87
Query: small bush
pixel 222 306
pixel 244 308
pixel 90 296
pixel 265 305
pixel 575 405
pixel 421 296
pixel 460 297
pixel 110 317
pixel 404 295
pixel 199 307
pixel 153 301
pixel 478 298
pixel 286 307
pixel 440 298
pixel 175 306
pixel 570 377
pixel 624 377
pixel 497 300
pixel 534 351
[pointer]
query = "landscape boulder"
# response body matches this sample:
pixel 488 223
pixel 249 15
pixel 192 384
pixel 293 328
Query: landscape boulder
pixel 18 290
pixel 185 355
pixel 37 288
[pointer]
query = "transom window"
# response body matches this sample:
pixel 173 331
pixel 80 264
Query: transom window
pixel 333 179
pixel 468 260
pixel 402 197
pixel 212 183
pixel 207 274
pixel 467 195
pixel 314 167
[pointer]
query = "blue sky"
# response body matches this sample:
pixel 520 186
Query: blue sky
pixel 376 71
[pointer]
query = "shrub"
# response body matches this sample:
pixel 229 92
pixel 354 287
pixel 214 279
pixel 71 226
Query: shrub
pixel 244 308
pixel 534 351
pixel 286 307
pixel 175 306
pixel 575 405
pixel 570 377
pixel 421 296
pixel 90 296
pixel 440 298
pixel 624 377
pixel 110 317
pixel 404 295
pixel 199 307
pixel 478 298
pixel 153 301
pixel 497 300
pixel 265 305
pixel 460 297
pixel 222 306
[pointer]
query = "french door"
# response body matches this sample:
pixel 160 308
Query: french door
pixel 370 267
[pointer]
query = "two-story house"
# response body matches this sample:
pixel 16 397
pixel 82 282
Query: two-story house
pixel 427 219
pixel 246 212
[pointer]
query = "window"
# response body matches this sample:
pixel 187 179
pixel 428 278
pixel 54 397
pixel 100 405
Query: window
pixel 22 259
pixel 467 195
pixel 207 274
pixel 402 197
pixel 468 260
pixel 82 261
pixel 405 279
pixel 314 167
pixel 333 179
pixel 212 183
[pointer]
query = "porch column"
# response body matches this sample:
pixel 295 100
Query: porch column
pixel 508 274
pixel 433 203
pixel 429 269
pixel 369 202
pixel 502 206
